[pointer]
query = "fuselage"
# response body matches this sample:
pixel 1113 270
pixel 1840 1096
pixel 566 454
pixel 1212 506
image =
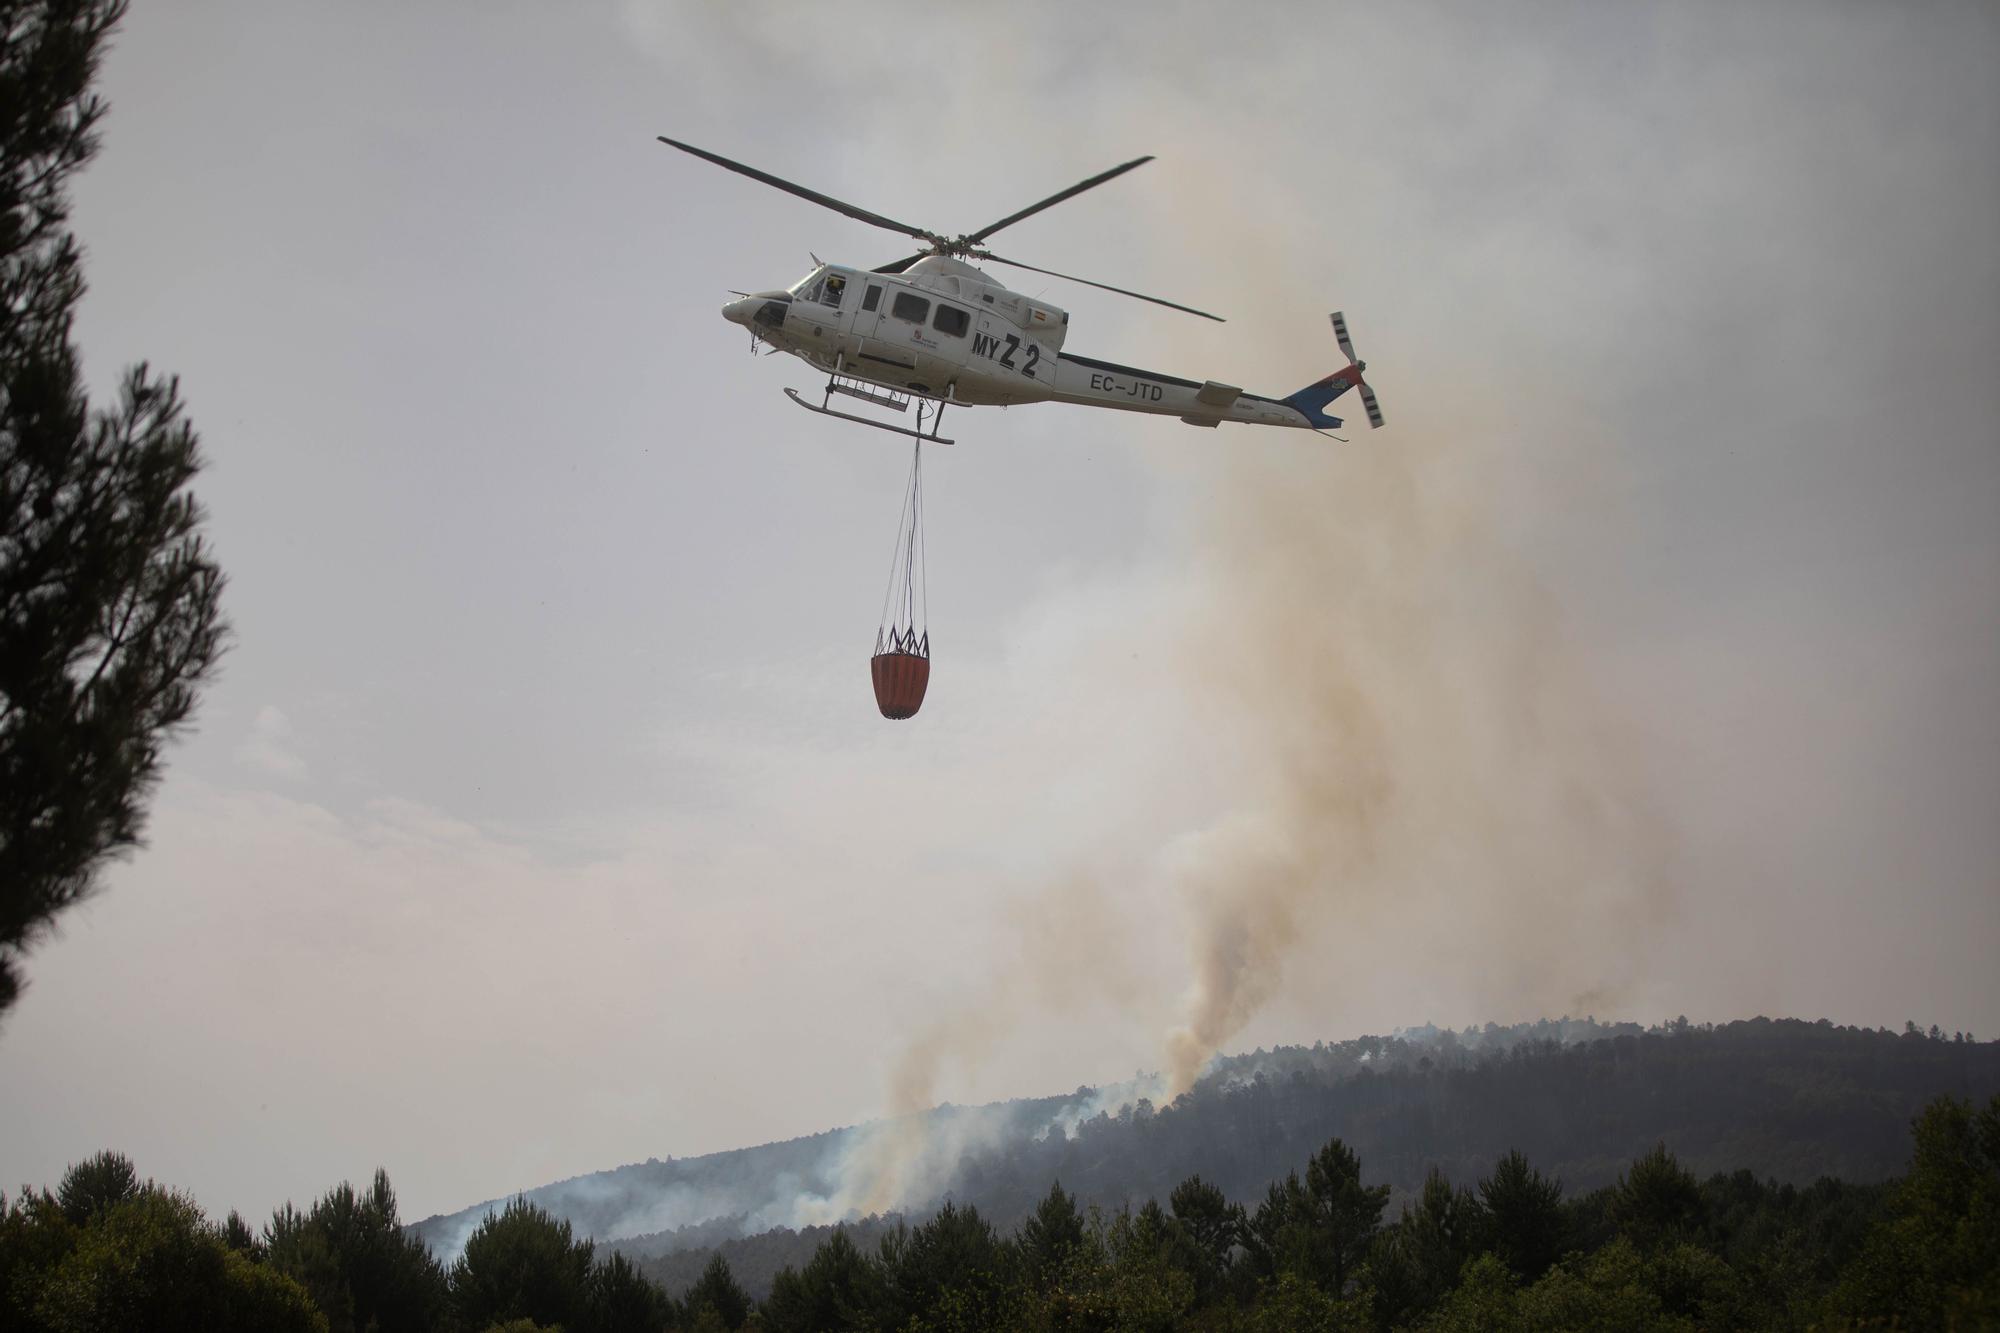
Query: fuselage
pixel 945 330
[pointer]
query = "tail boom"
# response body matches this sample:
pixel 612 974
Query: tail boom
pixel 1093 383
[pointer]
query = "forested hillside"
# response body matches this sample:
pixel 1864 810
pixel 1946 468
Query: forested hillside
pixel 1329 1237
pixel 1660 1249
pixel 1788 1100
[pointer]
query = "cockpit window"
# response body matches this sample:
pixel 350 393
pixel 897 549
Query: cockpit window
pixel 835 290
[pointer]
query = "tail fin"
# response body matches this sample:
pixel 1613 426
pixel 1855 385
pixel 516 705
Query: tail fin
pixel 1311 401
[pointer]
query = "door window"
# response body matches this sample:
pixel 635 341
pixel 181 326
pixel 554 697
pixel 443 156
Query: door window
pixel 912 308
pixel 951 320
pixel 872 297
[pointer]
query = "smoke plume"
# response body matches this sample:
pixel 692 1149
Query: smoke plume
pixel 1426 774
pixel 1418 782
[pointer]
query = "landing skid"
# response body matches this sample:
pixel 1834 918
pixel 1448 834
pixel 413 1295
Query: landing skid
pixel 924 406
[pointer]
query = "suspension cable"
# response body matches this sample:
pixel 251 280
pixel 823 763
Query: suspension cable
pixel 907 559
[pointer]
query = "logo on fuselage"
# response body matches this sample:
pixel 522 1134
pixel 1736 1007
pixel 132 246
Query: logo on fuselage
pixel 1004 350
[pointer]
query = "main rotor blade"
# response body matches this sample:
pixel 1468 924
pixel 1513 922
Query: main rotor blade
pixel 1054 199
pixel 1104 286
pixel 899 265
pixel 824 200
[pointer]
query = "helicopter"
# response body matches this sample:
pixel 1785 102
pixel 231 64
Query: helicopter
pixel 932 330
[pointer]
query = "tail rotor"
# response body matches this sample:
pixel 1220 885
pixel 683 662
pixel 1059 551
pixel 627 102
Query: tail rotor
pixel 1347 348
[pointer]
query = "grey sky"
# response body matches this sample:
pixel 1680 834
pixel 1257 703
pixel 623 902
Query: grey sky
pixel 542 820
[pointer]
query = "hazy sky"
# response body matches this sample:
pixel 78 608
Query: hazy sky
pixel 1647 663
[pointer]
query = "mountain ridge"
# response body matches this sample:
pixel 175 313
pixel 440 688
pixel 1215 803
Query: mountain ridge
pixel 1786 1098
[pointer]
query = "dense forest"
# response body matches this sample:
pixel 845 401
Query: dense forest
pixel 1786 1099
pixel 1554 1175
pixel 1656 1249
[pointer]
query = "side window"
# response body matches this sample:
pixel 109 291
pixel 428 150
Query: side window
pixel 912 308
pixel 872 297
pixel 951 320
pixel 836 291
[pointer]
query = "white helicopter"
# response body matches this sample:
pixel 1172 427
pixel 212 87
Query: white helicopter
pixel 933 330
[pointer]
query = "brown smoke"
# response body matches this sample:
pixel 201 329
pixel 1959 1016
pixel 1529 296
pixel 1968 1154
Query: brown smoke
pixel 1427 787
pixel 1065 955
pixel 1426 773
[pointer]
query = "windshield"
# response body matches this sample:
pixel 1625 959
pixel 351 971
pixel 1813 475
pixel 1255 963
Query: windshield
pixel 825 285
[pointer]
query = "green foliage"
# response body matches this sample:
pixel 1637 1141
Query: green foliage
pixel 1050 1236
pixel 95 1184
pixel 306 1255
pixel 109 604
pixel 620 1299
pixel 521 1263
pixel 1935 1260
pixel 1207 1229
pixel 1732 1252
pixel 1597 1291
pixel 1658 1250
pixel 257 1297
pixel 1292 1304
pixel 840 1288
pixel 1143 1284
pixel 1486 1300
pixel 147 1250
pixel 351 1253
pixel 152 1261
pixel 35 1236
pixel 1121 1275
pixel 1524 1216
pixel 1658 1201
pixel 953 1261
pixel 1074 1291
pixel 1319 1228
pixel 236 1234
pixel 1415 1264
pixel 717 1297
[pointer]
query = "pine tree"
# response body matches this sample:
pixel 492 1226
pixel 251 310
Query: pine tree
pixel 1658 1201
pixel 521 1263
pixel 1050 1235
pixel 96 1184
pixel 621 1298
pixel 1526 1216
pixel 1208 1226
pixel 1416 1262
pixel 351 1251
pixel 109 603
pixel 1343 1213
pixel 718 1293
